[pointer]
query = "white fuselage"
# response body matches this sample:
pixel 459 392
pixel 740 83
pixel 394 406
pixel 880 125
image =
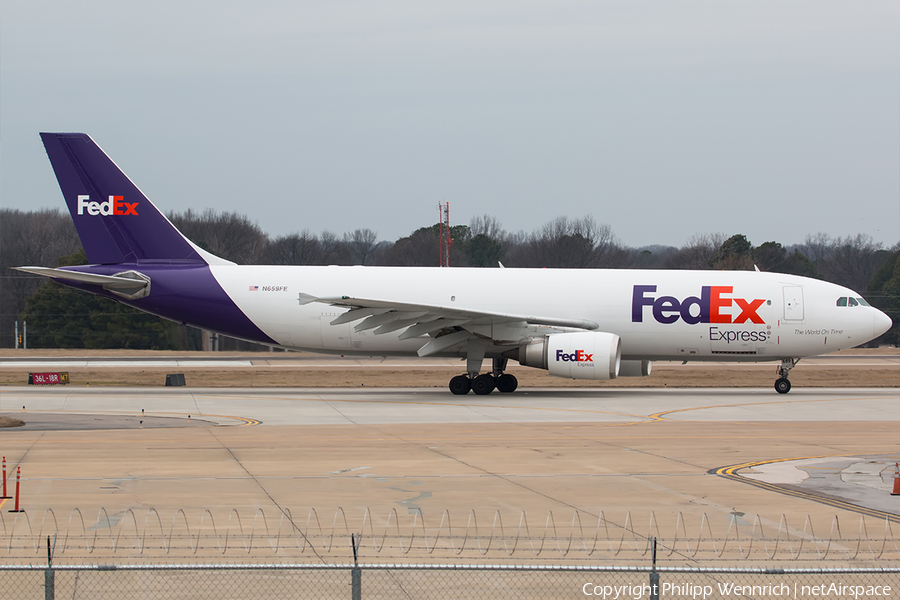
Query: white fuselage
pixel 740 316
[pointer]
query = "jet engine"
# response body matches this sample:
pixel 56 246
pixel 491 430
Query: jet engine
pixel 634 368
pixel 580 355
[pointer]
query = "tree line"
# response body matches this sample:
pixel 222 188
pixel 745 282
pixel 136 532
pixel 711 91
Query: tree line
pixel 62 317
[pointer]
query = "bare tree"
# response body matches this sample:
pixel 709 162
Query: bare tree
pixel 360 244
pixel 698 252
pixel 569 243
pixel 228 235
pixel 37 238
pixel 486 225
pixel 294 249
pixel 649 257
pixel 851 261
pixel 818 249
pixel 334 250
pixel 854 261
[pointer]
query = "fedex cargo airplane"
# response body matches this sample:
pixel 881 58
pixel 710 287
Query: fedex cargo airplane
pixel 576 323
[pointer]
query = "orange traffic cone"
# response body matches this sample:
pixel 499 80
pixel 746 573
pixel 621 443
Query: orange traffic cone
pixel 896 490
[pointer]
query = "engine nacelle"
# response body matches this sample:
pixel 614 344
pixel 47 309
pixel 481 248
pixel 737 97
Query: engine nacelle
pixel 634 368
pixel 581 355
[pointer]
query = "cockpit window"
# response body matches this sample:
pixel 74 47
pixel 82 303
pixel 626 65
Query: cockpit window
pixel 853 302
pixel 842 301
pixel 862 302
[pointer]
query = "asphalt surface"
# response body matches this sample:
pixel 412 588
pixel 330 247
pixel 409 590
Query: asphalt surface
pixel 52 421
pixel 663 451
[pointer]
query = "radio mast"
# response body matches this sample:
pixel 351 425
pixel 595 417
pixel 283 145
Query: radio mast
pixel 445 241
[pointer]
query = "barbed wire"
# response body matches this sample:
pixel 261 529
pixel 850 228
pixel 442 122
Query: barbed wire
pixel 583 535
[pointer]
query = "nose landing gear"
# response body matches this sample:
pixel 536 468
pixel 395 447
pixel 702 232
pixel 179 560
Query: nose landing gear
pixel 783 384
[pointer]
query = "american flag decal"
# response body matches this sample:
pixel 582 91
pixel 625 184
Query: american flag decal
pixel 254 288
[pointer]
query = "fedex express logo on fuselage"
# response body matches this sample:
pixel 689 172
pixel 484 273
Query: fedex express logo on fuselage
pixel 707 308
pixel 113 206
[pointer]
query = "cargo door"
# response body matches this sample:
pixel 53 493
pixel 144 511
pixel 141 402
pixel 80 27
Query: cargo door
pixel 793 303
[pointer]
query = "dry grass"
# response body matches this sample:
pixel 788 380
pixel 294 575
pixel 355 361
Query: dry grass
pixel 663 376
pixel 835 373
pixel 10 422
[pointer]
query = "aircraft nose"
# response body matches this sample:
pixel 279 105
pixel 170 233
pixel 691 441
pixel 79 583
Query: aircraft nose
pixel 880 323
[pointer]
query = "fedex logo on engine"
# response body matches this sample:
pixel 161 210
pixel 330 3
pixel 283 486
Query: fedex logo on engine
pixel 709 305
pixel 113 206
pixel 577 356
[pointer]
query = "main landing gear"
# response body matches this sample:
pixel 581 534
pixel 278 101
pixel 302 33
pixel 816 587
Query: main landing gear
pixel 783 384
pixel 486 383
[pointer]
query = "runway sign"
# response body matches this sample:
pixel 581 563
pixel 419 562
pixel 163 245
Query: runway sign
pixel 48 378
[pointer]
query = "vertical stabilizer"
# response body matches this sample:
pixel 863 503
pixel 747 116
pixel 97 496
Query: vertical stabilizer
pixel 115 221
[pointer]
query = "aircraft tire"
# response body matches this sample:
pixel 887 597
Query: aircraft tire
pixel 506 383
pixel 782 385
pixel 460 385
pixel 483 384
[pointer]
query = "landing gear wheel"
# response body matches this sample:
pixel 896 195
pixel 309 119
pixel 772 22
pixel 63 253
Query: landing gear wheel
pixel 782 385
pixel 483 384
pixel 506 383
pixel 460 385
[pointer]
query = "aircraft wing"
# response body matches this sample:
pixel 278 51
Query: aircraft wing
pixel 385 316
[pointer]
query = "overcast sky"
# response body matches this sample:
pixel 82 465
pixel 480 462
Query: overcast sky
pixel 775 119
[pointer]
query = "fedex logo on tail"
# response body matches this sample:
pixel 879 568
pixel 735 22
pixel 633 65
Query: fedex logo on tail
pixel 710 306
pixel 113 206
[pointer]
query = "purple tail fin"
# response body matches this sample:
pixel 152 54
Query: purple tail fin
pixel 116 222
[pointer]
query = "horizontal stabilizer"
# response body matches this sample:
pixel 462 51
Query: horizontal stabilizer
pixel 130 284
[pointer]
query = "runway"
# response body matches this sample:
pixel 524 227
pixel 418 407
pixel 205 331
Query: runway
pixel 618 450
pixel 306 407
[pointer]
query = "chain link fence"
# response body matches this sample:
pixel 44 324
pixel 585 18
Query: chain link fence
pixel 439 582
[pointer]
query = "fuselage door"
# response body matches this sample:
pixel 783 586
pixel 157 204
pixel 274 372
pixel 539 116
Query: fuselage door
pixel 793 303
